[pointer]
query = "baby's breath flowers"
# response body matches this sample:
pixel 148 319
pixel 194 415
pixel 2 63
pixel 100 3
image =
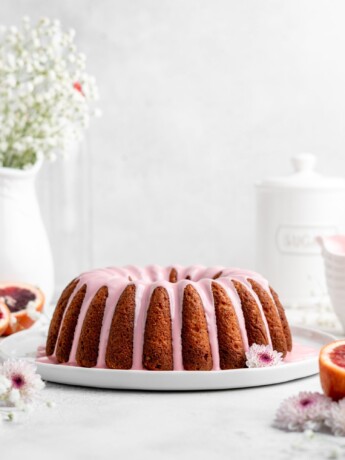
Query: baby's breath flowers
pixel 45 93
pixel 262 356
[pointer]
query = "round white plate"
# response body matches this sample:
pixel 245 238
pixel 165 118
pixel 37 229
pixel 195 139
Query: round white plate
pixel 24 344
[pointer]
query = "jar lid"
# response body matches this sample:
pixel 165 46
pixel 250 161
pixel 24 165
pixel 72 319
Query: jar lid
pixel 304 176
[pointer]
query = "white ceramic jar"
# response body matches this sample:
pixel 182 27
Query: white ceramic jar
pixel 291 212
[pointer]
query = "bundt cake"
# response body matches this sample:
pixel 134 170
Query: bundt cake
pixel 165 318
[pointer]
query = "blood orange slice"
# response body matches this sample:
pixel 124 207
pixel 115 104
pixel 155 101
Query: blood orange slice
pixel 332 369
pixel 5 315
pixel 23 301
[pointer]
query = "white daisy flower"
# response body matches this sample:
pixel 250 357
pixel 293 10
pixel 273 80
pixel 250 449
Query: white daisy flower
pixel 14 396
pixel 262 356
pixel 336 418
pixel 306 411
pixel 25 382
pixel 5 385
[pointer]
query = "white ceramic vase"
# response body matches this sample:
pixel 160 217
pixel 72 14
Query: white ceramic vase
pixel 25 253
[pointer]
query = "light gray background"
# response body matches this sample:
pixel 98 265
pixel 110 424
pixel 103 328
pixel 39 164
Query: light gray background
pixel 200 99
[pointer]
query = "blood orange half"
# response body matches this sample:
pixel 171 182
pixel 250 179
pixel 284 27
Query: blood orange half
pixel 22 300
pixel 332 369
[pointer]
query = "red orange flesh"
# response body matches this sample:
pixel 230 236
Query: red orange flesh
pixel 16 297
pixel 332 369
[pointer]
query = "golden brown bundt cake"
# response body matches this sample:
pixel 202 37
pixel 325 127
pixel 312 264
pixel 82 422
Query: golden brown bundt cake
pixel 165 318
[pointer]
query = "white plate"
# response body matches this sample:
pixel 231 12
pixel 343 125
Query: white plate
pixel 24 344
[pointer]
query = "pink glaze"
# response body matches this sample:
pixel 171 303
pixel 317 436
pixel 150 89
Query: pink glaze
pixel 300 353
pixel 146 280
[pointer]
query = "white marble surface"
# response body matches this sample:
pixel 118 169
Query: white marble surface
pixel 90 424
pixel 233 424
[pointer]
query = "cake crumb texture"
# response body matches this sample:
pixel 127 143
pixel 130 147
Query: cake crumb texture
pixel 255 326
pixel 283 319
pixel 119 354
pixel 272 318
pixel 88 346
pixel 217 275
pixel 58 315
pixel 231 348
pixel 66 335
pixel 158 351
pixel 173 276
pixel 196 349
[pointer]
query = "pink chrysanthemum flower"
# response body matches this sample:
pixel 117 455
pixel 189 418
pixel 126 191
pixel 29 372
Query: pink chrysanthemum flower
pixel 262 356
pixel 336 418
pixel 306 411
pixel 24 382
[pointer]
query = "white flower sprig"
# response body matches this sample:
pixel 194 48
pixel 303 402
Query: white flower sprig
pixel 20 386
pixel 45 93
